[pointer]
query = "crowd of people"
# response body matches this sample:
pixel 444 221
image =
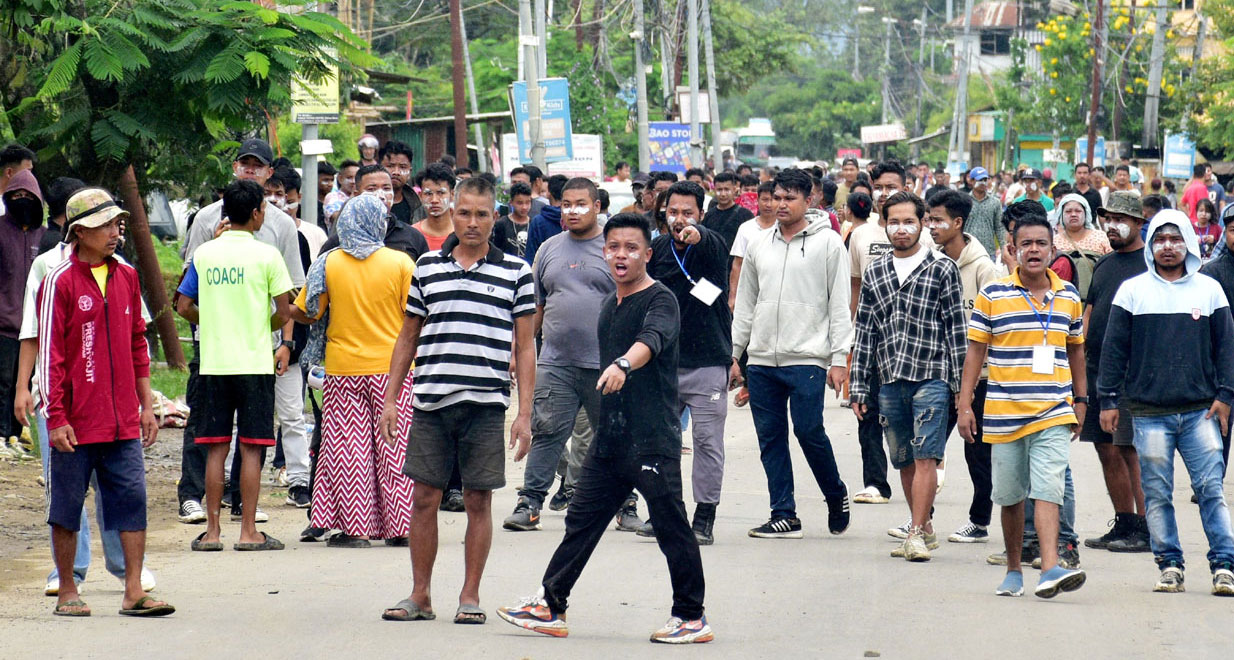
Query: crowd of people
pixel 415 310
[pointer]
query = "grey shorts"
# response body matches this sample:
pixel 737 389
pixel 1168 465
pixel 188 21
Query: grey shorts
pixel 469 433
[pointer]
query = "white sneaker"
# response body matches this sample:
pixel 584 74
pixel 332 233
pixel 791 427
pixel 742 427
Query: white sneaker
pixel 53 588
pixel 191 513
pixel 147 580
pixel 259 517
pixel 870 495
pixel 901 532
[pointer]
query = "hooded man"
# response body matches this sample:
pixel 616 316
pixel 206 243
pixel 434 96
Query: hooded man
pixel 21 230
pixel 1169 350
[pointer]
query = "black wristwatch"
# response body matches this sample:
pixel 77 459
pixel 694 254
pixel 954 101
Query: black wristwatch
pixel 290 344
pixel 1081 399
pixel 623 364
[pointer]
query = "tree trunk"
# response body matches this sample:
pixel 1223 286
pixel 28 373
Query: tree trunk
pixel 151 274
pixel 460 96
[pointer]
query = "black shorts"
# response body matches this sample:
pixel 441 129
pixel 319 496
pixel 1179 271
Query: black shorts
pixel 470 434
pixel 248 399
pixel 120 469
pixel 1092 431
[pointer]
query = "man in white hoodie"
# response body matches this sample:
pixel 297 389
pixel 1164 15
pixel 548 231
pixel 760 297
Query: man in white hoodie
pixel 792 319
pixel 948 216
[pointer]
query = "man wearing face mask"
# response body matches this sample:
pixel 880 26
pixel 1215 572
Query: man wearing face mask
pixel 21 230
pixel 1178 391
pixel 910 328
pixel 692 261
pixel 1031 180
pixel 279 230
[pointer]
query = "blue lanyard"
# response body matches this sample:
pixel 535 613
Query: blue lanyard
pixel 1045 325
pixel 681 263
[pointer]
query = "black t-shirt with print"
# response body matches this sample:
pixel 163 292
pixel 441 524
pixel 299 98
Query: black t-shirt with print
pixel 726 222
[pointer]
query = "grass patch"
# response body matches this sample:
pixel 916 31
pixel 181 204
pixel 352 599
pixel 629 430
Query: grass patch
pixel 171 382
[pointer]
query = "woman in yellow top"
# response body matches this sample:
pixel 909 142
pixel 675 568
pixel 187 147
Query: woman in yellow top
pixel 357 292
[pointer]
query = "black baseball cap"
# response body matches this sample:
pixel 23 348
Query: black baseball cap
pixel 256 148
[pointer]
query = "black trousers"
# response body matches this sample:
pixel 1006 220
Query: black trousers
pixel 9 350
pixel 602 488
pixel 870 438
pixel 192 484
pixel 977 456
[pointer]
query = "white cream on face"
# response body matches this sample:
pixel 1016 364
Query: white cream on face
pixel 892 230
pixel 1123 230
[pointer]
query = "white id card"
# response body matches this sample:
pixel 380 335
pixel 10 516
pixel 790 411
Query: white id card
pixel 1043 359
pixel 705 291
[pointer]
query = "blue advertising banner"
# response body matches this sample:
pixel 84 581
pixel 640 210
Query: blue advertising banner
pixel 1179 157
pixel 554 120
pixel 670 146
pixel 1081 151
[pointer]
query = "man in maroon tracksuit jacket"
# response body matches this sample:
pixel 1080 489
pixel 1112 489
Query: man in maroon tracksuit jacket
pixel 97 400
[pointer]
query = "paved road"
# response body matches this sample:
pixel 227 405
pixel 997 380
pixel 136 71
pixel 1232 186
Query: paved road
pixel 823 596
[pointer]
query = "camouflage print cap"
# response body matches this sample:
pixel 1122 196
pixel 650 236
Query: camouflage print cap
pixel 1124 202
pixel 91 207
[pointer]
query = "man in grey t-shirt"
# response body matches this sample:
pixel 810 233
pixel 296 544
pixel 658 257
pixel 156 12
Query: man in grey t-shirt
pixel 572 281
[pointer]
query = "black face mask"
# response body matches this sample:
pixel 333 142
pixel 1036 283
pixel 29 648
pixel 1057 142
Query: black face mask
pixel 27 213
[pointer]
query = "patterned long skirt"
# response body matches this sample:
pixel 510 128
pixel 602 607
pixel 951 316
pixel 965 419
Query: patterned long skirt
pixel 360 487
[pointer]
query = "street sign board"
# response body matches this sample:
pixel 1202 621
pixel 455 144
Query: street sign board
pixel 316 102
pixel 555 126
pixel 1179 157
pixel 670 146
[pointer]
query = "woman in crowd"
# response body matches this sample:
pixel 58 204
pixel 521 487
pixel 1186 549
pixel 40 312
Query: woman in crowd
pixel 1076 229
pixel 1206 228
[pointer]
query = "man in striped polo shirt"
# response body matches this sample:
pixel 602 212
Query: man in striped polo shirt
pixel 468 301
pixel 1030 326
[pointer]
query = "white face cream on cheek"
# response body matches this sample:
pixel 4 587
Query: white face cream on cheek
pixel 892 230
pixel 1123 230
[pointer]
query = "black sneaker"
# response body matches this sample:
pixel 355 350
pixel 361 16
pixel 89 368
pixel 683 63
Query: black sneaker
pixel 1102 542
pixel 1134 542
pixel 778 528
pixel 1068 556
pixel 627 518
pixel 452 501
pixel 561 499
pixel 313 534
pixel 704 524
pixel 298 496
pixel 837 513
pixel 526 518
pixel 647 531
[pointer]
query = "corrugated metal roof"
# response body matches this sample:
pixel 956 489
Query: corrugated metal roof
pixel 991 15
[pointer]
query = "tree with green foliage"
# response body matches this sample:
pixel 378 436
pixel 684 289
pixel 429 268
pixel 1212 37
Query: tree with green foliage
pixel 1213 87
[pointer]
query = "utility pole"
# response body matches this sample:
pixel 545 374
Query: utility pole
pixel 640 82
pixel 481 148
pixel 955 145
pixel 531 78
pixel 542 37
pixel 696 133
pixel 886 71
pixel 856 54
pixel 713 101
pixel 457 75
pixel 1152 100
pixel 917 123
pixel 1098 60
pixel 1196 54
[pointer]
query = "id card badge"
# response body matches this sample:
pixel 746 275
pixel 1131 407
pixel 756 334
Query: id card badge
pixel 1043 359
pixel 705 291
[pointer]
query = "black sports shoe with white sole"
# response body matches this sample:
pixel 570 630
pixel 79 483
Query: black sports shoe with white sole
pixel 778 528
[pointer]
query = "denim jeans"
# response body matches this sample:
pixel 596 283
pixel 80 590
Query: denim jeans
pixel 914 419
pixel 1066 515
pixel 774 392
pixel 560 392
pixel 1198 441
pixel 113 553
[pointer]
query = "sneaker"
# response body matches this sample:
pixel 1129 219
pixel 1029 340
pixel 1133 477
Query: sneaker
pixel 970 533
pixel 452 501
pixel 901 532
pixel 627 518
pixel 260 517
pixel 678 631
pixel 1171 581
pixel 931 543
pixel 148 583
pixel 191 512
pixel 526 518
pixel 53 588
pixel 1132 542
pixel 561 499
pixel 1103 541
pixel 915 546
pixel 1059 579
pixel 1012 584
pixel 534 614
pixel 1223 582
pixel 19 450
pixel 313 534
pixel 647 531
pixel 1028 555
pixel 870 495
pixel 838 516
pixel 298 496
pixel 778 528
pixel 1068 555
pixel 704 524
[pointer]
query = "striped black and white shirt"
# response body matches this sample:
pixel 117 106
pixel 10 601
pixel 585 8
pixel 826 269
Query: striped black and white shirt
pixel 464 349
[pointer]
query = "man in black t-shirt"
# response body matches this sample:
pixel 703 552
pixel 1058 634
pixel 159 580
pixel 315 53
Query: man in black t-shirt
pixel 725 216
pixel 396 157
pixel 510 232
pixel 1120 464
pixel 637 445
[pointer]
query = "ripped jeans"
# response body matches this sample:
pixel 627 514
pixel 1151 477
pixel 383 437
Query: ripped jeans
pixel 914 418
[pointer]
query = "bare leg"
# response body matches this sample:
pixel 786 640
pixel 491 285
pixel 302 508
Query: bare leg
pixel 250 492
pixel 478 541
pixel 906 484
pixel 64 551
pixel 1132 460
pixel 134 544
pixel 1117 477
pixel 422 541
pixel 1013 534
pixel 215 459
pixel 924 487
pixel 1045 519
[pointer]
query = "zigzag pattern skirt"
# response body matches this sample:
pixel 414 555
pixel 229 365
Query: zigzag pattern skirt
pixel 360 487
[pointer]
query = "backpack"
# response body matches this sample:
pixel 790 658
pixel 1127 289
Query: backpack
pixel 1082 264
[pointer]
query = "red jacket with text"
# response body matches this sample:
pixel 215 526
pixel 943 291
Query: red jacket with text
pixel 92 350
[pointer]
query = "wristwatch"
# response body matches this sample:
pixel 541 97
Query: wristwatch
pixel 623 364
pixel 290 344
pixel 1080 399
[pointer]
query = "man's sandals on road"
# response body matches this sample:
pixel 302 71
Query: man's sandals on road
pixel 145 606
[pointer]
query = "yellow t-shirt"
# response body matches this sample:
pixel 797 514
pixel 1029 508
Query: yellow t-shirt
pixel 366 300
pixel 100 276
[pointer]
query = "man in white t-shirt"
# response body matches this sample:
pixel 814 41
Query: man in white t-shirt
pixel 766 219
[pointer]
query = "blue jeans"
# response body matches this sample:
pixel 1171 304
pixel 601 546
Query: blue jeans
pixel 1066 515
pixel 774 392
pixel 914 419
pixel 1198 441
pixel 112 552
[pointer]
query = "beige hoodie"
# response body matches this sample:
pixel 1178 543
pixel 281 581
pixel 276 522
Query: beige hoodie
pixel 792 299
pixel 976 271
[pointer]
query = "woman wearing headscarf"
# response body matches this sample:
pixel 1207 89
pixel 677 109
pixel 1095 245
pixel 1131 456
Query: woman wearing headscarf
pixel 1076 229
pixel 355 296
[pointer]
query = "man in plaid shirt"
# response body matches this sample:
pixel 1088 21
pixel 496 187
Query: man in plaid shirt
pixel 910 327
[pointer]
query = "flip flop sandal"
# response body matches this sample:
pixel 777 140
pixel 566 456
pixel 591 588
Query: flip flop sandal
pixel 397 542
pixel 81 607
pixel 153 610
pixel 342 540
pixel 470 614
pixel 413 612
pixel 199 545
pixel 268 543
